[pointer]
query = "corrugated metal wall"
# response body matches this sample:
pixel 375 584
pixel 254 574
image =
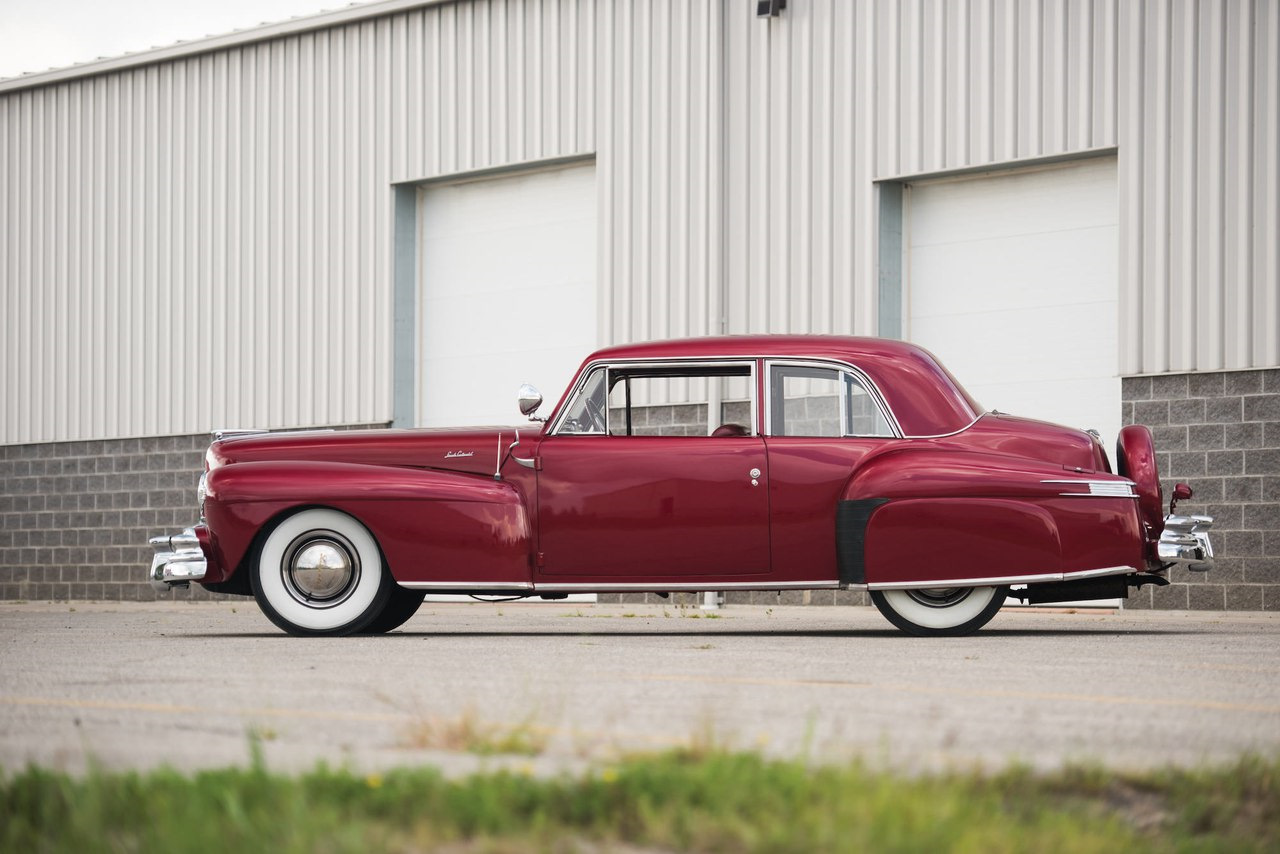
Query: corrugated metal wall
pixel 1199 177
pixel 207 241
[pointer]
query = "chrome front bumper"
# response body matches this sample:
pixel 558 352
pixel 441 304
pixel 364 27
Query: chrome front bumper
pixel 1185 540
pixel 178 561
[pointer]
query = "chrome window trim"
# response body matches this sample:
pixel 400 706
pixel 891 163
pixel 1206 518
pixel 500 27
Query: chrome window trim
pixel 872 389
pixel 756 427
pixel 749 362
pixel 583 377
pixel 1002 579
pixel 953 432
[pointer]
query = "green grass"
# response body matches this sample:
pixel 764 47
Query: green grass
pixel 710 802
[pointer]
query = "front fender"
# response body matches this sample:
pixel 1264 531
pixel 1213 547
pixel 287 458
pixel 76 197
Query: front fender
pixel 432 526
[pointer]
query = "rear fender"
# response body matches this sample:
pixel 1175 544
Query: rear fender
pixel 432 526
pixel 942 513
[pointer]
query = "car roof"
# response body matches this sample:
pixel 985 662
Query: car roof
pixel 925 398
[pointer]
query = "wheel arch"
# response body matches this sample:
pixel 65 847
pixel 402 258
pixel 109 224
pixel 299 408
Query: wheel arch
pixel 238 580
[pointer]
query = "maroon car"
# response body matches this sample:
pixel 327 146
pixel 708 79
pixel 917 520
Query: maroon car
pixel 737 463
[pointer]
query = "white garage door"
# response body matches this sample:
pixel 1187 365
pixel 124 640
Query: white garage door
pixel 1012 282
pixel 508 292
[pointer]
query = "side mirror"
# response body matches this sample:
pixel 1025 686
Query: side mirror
pixel 529 399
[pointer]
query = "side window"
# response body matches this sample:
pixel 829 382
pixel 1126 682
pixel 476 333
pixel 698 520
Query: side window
pixel 711 400
pixel 586 412
pixel 812 401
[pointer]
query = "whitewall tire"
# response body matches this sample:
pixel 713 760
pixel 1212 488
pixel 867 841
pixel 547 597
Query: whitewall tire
pixel 320 572
pixel 940 610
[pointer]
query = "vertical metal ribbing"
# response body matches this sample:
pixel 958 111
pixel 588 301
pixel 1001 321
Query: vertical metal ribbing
pixel 737 158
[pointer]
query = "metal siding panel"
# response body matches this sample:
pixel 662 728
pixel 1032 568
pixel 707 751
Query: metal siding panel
pixel 957 83
pixel 1266 209
pixel 863 310
pixel 1237 276
pixel 1181 276
pixel 1130 160
pixel 247 190
pixel 1155 198
pixel 981 65
pixel 8 293
pixel 1210 143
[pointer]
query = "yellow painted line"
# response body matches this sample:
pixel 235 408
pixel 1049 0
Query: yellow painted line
pixel 991 693
pixel 201 713
pixel 1230 668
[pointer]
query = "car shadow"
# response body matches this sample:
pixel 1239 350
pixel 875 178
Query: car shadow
pixel 709 632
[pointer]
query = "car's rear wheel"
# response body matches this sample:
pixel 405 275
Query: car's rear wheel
pixel 933 611
pixel 401 605
pixel 320 572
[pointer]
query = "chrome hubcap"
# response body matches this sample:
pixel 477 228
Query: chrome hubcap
pixel 939 597
pixel 320 569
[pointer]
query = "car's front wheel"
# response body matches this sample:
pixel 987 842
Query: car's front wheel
pixel 320 572
pixel 934 611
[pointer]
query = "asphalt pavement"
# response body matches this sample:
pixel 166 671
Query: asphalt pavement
pixel 141 685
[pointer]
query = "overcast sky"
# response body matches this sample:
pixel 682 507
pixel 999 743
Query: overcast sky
pixel 36 35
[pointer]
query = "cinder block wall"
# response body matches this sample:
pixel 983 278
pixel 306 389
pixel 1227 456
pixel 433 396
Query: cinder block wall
pixel 75 516
pixel 1219 433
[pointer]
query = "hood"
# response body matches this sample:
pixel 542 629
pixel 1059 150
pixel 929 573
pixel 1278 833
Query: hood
pixel 474 450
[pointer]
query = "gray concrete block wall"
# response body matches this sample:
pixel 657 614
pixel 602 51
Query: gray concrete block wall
pixel 1220 434
pixel 75 516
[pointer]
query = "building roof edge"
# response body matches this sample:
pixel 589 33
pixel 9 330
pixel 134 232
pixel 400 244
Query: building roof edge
pixel 192 47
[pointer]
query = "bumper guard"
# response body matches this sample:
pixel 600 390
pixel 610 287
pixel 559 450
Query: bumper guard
pixel 178 561
pixel 1185 540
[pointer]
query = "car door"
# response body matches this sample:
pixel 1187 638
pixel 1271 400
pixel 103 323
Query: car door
pixel 822 420
pixel 652 494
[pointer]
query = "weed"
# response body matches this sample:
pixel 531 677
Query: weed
pixel 468 734
pixel 684 800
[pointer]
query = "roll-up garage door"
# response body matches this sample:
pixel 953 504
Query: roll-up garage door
pixel 507 291
pixel 1013 284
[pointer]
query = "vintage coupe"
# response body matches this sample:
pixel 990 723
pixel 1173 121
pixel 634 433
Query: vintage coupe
pixel 734 463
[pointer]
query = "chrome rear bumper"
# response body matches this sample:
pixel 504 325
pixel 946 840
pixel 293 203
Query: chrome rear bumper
pixel 1185 540
pixel 178 560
